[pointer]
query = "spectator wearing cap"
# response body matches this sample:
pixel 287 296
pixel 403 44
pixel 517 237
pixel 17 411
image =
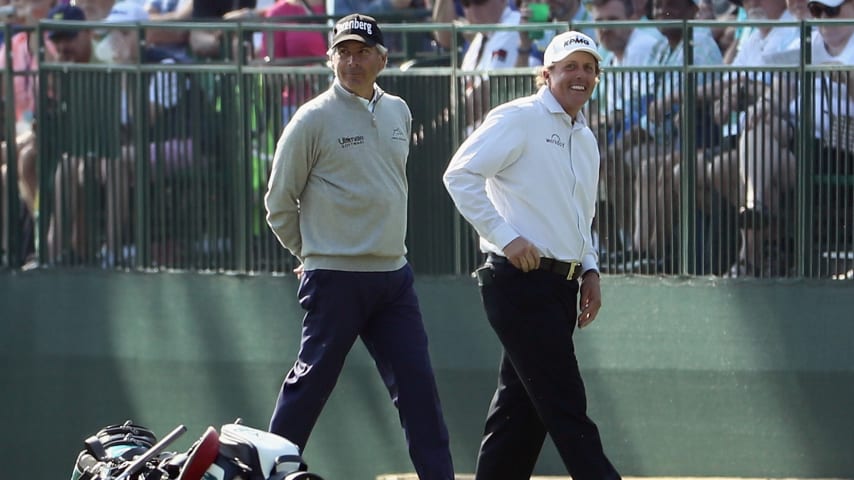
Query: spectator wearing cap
pixel 72 45
pixel 337 200
pixel 832 45
pixel 510 180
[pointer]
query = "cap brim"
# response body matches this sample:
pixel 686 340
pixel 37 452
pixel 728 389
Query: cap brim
pixel 591 51
pixel 356 37
pixel 828 3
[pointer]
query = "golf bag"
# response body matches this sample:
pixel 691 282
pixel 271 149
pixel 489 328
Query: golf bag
pixel 110 448
pixel 237 452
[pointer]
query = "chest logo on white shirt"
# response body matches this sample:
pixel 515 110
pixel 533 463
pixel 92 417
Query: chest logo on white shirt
pixel 347 142
pixel 555 140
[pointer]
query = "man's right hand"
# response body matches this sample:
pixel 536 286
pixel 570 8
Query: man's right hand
pixel 522 254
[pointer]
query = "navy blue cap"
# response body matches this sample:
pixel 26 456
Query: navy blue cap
pixel 64 12
pixel 361 28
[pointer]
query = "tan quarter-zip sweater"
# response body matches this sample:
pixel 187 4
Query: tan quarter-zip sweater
pixel 337 195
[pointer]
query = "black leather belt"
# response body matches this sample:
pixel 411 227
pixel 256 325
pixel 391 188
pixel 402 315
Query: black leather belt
pixel 567 270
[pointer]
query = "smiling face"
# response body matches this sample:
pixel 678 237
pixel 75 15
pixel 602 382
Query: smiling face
pixel 357 66
pixel 572 80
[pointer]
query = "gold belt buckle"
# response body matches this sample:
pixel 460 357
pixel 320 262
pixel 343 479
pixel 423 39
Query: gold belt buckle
pixel 572 266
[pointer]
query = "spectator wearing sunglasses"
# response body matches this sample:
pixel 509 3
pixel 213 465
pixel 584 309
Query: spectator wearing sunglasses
pixel 826 8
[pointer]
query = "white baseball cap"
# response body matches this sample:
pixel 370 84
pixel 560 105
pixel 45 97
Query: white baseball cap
pixel 567 42
pixel 127 11
pixel 829 3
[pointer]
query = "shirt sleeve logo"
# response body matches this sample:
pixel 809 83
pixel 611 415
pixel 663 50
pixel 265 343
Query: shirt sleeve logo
pixel 398 134
pixel 555 140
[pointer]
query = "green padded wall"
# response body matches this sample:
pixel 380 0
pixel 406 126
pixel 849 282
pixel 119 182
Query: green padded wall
pixel 692 377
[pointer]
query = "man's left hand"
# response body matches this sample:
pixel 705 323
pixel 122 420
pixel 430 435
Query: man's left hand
pixel 591 298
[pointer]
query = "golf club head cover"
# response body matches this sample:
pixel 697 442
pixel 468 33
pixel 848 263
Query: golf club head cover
pixel 202 454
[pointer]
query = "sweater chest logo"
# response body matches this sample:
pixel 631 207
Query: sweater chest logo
pixel 555 140
pixel 347 142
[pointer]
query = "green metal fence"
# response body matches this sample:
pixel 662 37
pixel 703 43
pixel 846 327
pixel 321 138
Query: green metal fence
pixel 124 186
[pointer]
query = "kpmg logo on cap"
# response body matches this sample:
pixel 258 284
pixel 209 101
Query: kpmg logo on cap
pixel 356 24
pixel 577 39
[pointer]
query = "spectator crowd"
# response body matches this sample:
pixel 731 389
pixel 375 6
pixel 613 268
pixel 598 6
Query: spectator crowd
pixel 745 121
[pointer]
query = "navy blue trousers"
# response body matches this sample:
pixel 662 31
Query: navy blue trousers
pixel 540 390
pixel 382 309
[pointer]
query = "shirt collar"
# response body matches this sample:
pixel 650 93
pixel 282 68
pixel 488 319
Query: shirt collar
pixel 551 103
pixel 369 104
